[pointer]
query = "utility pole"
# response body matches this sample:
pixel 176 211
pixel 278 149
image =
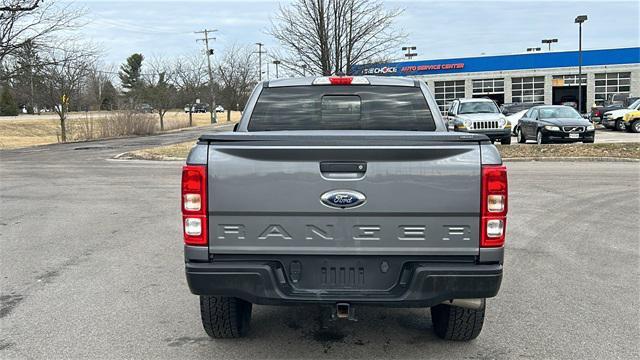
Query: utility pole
pixel 260 52
pixel 304 70
pixel 209 53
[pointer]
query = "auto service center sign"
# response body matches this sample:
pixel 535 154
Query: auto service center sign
pixel 395 70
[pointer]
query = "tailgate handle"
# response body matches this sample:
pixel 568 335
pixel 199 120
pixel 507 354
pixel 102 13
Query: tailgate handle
pixel 343 167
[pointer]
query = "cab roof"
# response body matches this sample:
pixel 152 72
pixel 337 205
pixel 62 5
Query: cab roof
pixel 373 80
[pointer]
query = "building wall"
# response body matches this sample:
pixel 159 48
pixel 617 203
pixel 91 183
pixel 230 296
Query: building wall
pixel 588 71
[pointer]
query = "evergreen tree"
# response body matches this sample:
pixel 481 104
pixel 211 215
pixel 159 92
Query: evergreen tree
pixel 8 106
pixel 129 74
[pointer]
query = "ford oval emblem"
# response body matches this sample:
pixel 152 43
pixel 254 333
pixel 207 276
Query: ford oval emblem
pixel 343 199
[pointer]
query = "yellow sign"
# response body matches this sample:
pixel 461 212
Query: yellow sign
pixel 557 82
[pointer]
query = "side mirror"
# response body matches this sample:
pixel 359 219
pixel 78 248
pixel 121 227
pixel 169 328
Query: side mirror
pixel 235 127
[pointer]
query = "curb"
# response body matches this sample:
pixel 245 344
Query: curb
pixel 572 158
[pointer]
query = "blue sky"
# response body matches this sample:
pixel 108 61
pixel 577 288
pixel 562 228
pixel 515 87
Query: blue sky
pixel 439 29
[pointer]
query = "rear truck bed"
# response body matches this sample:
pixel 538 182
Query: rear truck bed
pixel 384 218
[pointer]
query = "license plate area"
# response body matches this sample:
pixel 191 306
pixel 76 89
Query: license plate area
pixel 343 273
pixel 574 136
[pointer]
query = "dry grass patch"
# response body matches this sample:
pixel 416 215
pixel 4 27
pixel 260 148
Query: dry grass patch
pixel 617 150
pixel 169 152
pixel 24 131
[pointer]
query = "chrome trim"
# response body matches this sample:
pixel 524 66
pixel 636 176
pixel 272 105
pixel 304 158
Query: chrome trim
pixel 485 125
pixel 573 129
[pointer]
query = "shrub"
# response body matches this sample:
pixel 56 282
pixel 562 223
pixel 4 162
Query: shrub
pixel 123 123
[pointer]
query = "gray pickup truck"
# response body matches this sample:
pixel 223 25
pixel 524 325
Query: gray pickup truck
pixel 344 192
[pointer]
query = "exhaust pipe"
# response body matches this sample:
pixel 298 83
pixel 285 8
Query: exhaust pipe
pixel 474 304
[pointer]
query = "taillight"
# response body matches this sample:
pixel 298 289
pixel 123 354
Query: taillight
pixel 493 223
pixel 194 204
pixel 337 80
pixel 341 80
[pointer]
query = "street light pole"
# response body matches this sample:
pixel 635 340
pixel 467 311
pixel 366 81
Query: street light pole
pixel 276 63
pixel 579 20
pixel 549 42
pixel 409 54
pixel 260 52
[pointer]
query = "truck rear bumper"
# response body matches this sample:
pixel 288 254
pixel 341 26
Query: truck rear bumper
pixel 415 284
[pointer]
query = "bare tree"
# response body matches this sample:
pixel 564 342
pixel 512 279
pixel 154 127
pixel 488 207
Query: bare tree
pixel 24 22
pixel 19 5
pixel 331 36
pixel 100 93
pixel 160 91
pixel 237 76
pixel 190 76
pixel 63 76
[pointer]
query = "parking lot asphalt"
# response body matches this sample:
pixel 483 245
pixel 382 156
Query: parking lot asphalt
pixel 91 266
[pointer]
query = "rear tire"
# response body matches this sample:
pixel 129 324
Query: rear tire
pixel 456 323
pixel 506 140
pixel 620 125
pixel 225 317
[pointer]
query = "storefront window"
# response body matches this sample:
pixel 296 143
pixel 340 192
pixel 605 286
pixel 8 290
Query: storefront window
pixel 447 91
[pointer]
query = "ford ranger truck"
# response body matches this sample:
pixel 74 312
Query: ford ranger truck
pixel 344 192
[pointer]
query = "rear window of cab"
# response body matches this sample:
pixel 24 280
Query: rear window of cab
pixel 338 107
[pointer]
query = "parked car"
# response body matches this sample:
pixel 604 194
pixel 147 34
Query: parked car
pixel 569 100
pixel 344 192
pixel 618 102
pixel 614 119
pixel 200 108
pixel 632 121
pixel 597 110
pixel 480 116
pixel 555 123
pixel 514 120
pixel 219 109
pixel 145 108
pixel 513 108
pixel 196 108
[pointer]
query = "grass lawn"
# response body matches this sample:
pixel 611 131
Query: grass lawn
pixel 618 150
pixel 31 130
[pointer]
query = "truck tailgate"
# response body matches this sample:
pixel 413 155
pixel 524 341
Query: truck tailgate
pixel 422 193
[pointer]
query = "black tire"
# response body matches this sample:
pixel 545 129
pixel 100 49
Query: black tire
pixel 540 138
pixel 620 125
pixel 456 323
pixel 520 137
pixel 506 140
pixel 225 317
pixel 634 127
